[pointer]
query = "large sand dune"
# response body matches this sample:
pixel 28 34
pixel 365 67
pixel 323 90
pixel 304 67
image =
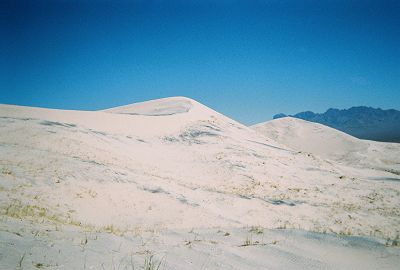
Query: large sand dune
pixel 176 179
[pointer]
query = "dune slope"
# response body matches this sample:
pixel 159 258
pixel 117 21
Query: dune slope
pixel 154 175
pixel 332 144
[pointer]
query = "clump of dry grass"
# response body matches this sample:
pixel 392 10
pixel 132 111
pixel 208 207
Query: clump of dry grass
pixel 151 264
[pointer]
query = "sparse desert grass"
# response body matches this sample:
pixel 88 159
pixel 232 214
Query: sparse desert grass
pixel 189 243
pixel 19 267
pixel 17 209
pixel 253 231
pixel 248 241
pixel 256 229
pixel 151 264
pixel 86 193
pixel 113 230
pixel 6 171
pixel 42 214
pixel 393 242
pixel 37 213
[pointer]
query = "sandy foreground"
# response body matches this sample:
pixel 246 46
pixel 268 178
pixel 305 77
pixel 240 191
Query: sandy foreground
pixel 174 184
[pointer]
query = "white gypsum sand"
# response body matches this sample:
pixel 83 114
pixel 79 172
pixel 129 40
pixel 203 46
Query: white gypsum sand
pixel 332 144
pixel 177 180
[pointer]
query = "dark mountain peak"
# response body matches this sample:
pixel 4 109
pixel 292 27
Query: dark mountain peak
pixel 332 110
pixel 306 114
pixel 363 109
pixel 279 115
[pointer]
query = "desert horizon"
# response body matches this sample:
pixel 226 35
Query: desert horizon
pixel 199 135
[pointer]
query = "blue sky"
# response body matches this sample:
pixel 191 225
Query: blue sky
pixel 246 59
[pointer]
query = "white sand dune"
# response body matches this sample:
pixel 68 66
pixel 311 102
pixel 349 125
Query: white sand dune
pixel 159 107
pixel 174 178
pixel 332 144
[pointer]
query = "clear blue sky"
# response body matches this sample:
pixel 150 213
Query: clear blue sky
pixel 246 59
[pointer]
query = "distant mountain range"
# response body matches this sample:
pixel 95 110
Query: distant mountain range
pixel 361 122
